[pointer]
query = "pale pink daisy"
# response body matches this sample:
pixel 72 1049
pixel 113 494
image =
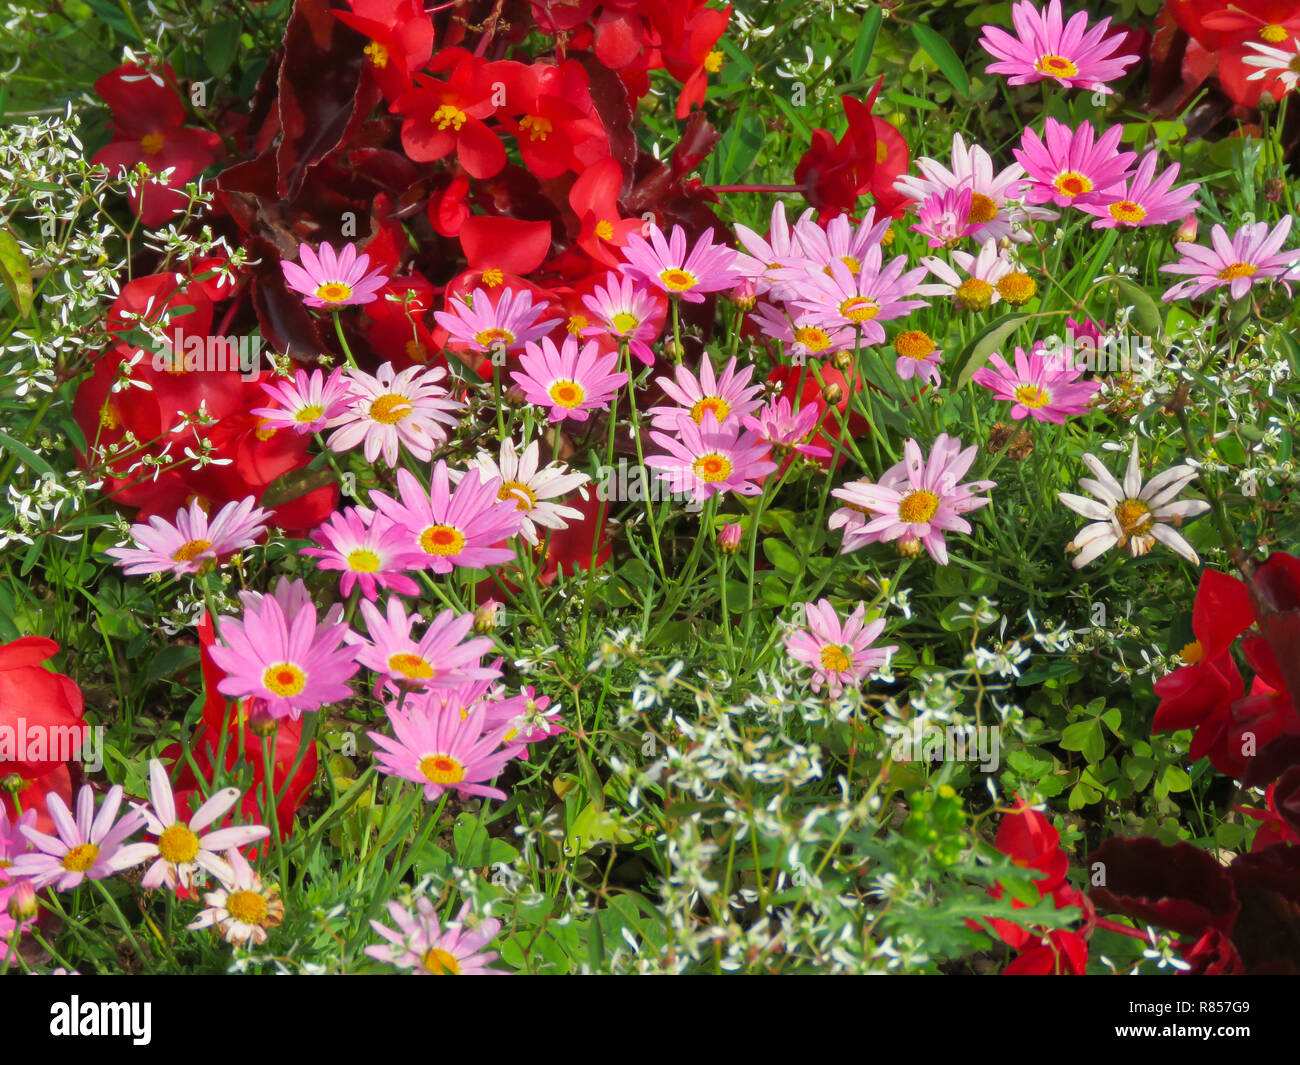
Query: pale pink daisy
pixel 627 313
pixel 839 241
pixel 530 716
pixel 504 325
pixel 802 337
pixel 778 250
pixel 243 908
pixel 333 280
pixel 370 553
pixel 862 301
pixel 917 356
pixel 1047 47
pixel 452 528
pixel 785 429
pixel 531 487
pixel 853 517
pixel 1043 387
pixel 89 847
pixel 571 380
pixel 392 410
pixel 926 501
pixel 839 653
pixel 426 947
pixel 1069 167
pixel 708 458
pixel 1249 258
pixel 306 404
pixel 193 542
pixel 978 291
pixel 286 660
pixel 729 396
pixel 179 851
pixel 667 265
pixel 444 747
pixel 437 659
pixel 1145 199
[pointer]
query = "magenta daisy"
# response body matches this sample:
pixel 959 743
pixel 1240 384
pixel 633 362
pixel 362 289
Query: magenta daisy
pixel 393 410
pixel 785 429
pixel 802 337
pixel 452 528
pixel 730 396
pixel 1249 258
pixel 530 486
pixel 627 313
pixel 437 659
pixel 333 280
pixel 370 553
pixel 506 325
pixel 667 265
pixel 926 501
pixel 839 653
pixel 853 517
pixel 944 217
pixel 14 890
pixel 306 404
pixel 1048 48
pixel 427 948
pixel 444 747
pixel 778 250
pixel 1043 387
pixel 1069 167
pixel 193 542
pixel 179 851
pixel 87 848
pixel 286 660
pixel 875 294
pixel 572 381
pixel 708 458
pixel 839 241
pixel 1145 200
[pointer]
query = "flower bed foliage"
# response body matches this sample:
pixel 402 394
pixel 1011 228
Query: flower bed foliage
pixel 533 487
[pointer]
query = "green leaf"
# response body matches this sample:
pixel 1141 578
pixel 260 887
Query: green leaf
pixel 1086 738
pixel 16 273
pixel 800 126
pixel 294 485
pixel 985 343
pixel 943 55
pixel 28 456
pixel 1146 315
pixel 219 45
pixel 866 43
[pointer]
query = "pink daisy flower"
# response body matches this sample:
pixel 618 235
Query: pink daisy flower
pixel 730 396
pixel 927 501
pixel 572 381
pixel 839 653
pixel 530 716
pixel 979 290
pixel 709 458
pixel 421 944
pixel 506 325
pixel 1249 258
pixel 918 356
pixel 839 241
pixel 1048 48
pixel 875 294
pixel 444 748
pixel 306 404
pixel 393 410
pixel 286 660
pixel 853 517
pixel 1145 200
pixel 802 337
pixel 785 429
pixel 12 844
pixel 88 848
pixel 452 528
pixel 780 249
pixel 333 280
pixel 372 554
pixel 1067 167
pixel 666 264
pixel 1043 387
pixel 438 659
pixel 179 850
pixel 530 486
pixel 944 217
pixel 193 542
pixel 627 313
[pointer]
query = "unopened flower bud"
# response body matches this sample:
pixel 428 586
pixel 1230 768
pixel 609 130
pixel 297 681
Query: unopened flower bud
pixel 1186 231
pixel 842 360
pixel 516 396
pixel 832 394
pixel 261 722
pixel 1274 189
pixel 22 902
pixel 729 538
pixel 743 295
pixel 487 617
pixel 909 548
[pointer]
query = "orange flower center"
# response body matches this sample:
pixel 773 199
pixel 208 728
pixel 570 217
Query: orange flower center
pixel 1192 652
pixel 363 561
pixel 712 467
pixel 524 497
pixel 1236 270
pixel 491 337
pixel 151 143
pixel 178 845
pixel 190 550
pixel 1032 396
pixel 982 209
pixel 409 665
pixel 720 407
pixel 378 54
pixel 1056 66
pixel 446 115
pixel 913 344
pixel 80 858
pixel 390 409
pixel 567 394
pixel 247 907
pixel 1127 211
pixel 678 280
pixel 1072 183
pixel 284 679
pixel 442 540
pixel 918 507
pixel 975 294
pixel 1017 288
pixel 834 659
pixel 1134 517
pixel 538 128
pixel 442 769
pixel 812 338
pixel 333 292
pixel 438 962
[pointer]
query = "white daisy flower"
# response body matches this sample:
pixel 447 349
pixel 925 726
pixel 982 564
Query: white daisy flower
pixel 1279 63
pixel 242 908
pixel 979 290
pixel 529 487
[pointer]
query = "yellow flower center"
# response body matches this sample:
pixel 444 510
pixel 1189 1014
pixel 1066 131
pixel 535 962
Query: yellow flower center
pixel 284 679
pixel 1017 288
pixel 1127 211
pixel 913 344
pixel 363 561
pixel 538 128
pixel 1294 65
pixel 438 962
pixel 605 229
pixel 1236 270
pixel 918 507
pixel 409 665
pixel 888 237
pixel 442 769
pixel 974 294
pixel 1072 183
pixel 309 414
pixel 391 408
pixel 859 309
pixel 190 550
pixel 567 394
pixel 333 292
pixel 678 280
pixel 378 54
pixel 265 430
pixel 151 143
pixel 854 266
pixel 178 844
pixel 982 209
pixel 713 61
pixel 1273 34
pixel 1134 517
pixel 834 659
pixel 720 407
pixel 108 418
pixel 624 323
pixel 1056 66
pixel 80 858
pixel 442 540
pixel 524 497
pixel 247 907
pixel 1032 396
pixel 712 467
pixel 1192 652
pixel 492 277
pixel 812 338
pixel 446 115
pixel 576 324
pixel 491 337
